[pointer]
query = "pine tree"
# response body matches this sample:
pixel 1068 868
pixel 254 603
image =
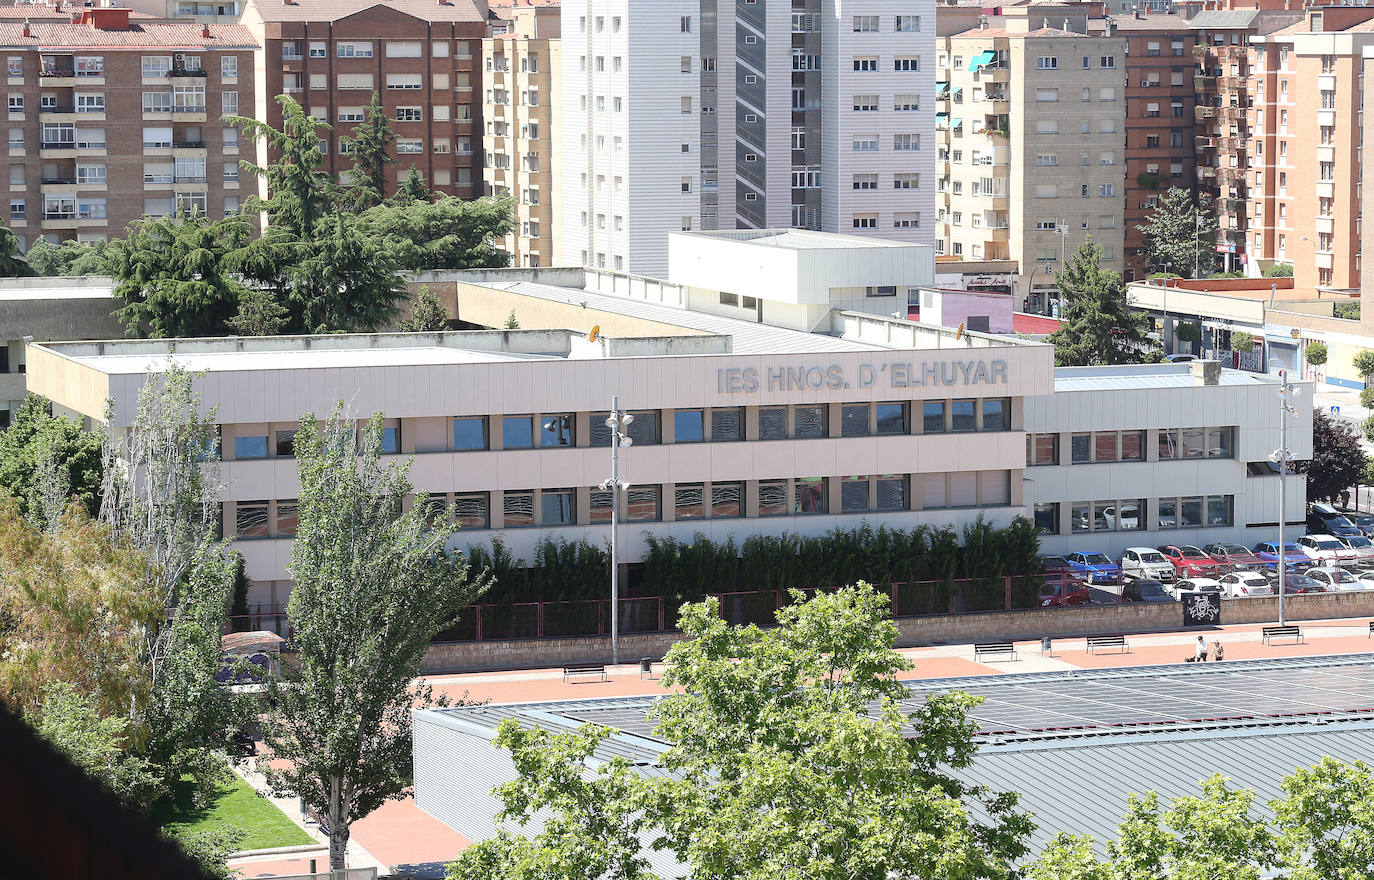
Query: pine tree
pixel 12 263
pixel 427 314
pixel 1180 234
pixel 1098 325
pixel 260 314
pixel 372 142
pixel 298 192
pixel 413 189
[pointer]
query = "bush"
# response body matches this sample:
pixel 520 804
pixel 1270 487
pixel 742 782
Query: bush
pixel 1279 270
pixel 1316 353
pixel 1349 311
pixel 1242 341
pixel 1367 398
pixel 1188 331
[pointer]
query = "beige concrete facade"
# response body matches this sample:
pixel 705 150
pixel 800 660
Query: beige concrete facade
pixel 520 147
pixel 1031 147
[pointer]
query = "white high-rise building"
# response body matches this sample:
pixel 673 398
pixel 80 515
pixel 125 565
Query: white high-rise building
pixel 721 114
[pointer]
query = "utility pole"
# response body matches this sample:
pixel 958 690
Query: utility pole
pixel 1282 456
pixel 617 421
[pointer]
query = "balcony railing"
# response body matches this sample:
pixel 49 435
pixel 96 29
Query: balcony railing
pixel 59 180
pixel 53 108
pixel 176 71
pixel 197 109
pixel 58 145
pixel 59 215
pixel 188 145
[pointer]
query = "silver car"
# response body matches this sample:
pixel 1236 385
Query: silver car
pixel 1239 584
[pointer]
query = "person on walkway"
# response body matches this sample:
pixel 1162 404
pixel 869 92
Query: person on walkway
pixel 1218 653
pixel 1200 655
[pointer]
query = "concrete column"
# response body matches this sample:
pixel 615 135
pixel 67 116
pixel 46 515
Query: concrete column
pixel 497 513
pixel 751 487
pixel 751 423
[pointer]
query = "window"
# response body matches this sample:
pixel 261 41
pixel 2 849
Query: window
pixel 962 416
pixel 517 432
pixel 229 103
pixel 908 24
pixel 1108 62
pixel 906 142
pixel 1186 443
pixel 997 414
pixel 1106 190
pixel 404 81
pixel 157 102
pixel 906 180
pixel 933 417
pixel 906 220
pixel 1047 63
pixel 229 66
pixel 689 426
pixel 865 24
pixel 1046 159
pixel 809 422
pixel 773 498
pixel 252 446
pixel 642 503
pixel 557 507
pixel 809 495
pixel 865 103
pixel 865 143
pixel 353 50
pixel 773 423
pixel 864 221
pixel 18 211
pixel 865 181
pixel 727 500
pixel 90 102
pixel 1044 95
pixel 156 65
pixel 866 64
pixel 410 114
pixel 1042 449
pixel 355 81
pixel 854 420
pixel 250 519
pixel 16 104
pixel 408 49
pixel 1047 518
pixel 906 64
pixel 469 433
pixel 518 508
pixel 14 64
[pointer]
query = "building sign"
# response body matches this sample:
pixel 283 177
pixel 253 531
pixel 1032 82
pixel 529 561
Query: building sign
pixel 988 280
pixel 909 374
pixel 1202 609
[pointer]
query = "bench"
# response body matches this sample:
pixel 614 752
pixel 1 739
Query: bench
pixel 1371 630
pixel 584 669
pixel 1096 643
pixel 994 648
pixel 1269 633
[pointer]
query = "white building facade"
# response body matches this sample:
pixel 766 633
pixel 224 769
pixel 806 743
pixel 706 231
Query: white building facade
pixel 723 114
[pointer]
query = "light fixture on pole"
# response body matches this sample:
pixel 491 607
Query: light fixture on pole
pixel 618 422
pixel 1283 457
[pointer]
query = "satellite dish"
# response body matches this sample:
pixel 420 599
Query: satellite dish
pixel 959 333
pixel 596 331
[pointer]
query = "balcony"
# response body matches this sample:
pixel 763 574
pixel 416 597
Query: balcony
pixel 1232 82
pixel 1203 112
pixel 1233 206
pixel 1206 172
pixel 1204 82
pixel 1228 173
pixel 179 72
pixel 1205 142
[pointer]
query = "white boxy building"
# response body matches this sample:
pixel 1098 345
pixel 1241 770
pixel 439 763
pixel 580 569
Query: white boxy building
pixel 773 391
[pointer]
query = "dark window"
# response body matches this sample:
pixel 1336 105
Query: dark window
pixel 641 504
pixel 556 507
pixel 933 417
pixel 517 432
pixel 727 424
pixel 688 426
pixel 1047 518
pixel 470 433
pixel 1132 445
pixel 773 423
pixel 643 430
pixel 809 495
pixel 250 519
pixel 854 494
pixel 808 422
pixel 1191 512
pixel 1042 449
pixel 556 429
pixel 979 323
pixel 772 497
pixel 1168 443
pixel 288 517
pixel 250 447
pixel 391 440
pixel 1081 448
pixel 286 443
pixel 472 509
pixel 1219 443
pixel 963 415
pixel 688 501
pixel 997 414
pixel 519 508
pixel 891 418
pixel 1194 441
pixel 727 500
pixel 892 492
pixel 1104 446
pixel 854 420
pixel 601 505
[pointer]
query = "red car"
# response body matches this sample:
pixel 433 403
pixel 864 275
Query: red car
pixel 1059 593
pixel 1191 562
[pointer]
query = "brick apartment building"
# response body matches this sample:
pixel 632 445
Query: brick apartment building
pixel 1159 65
pixel 423 58
pixel 113 116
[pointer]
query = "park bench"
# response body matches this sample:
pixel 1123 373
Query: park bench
pixel 1096 643
pixel 584 669
pixel 994 648
pixel 1269 633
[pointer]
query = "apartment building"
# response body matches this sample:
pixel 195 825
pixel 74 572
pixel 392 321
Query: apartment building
pixel 1306 123
pixel 422 58
pixel 1159 119
pixel 717 115
pixel 1031 141
pixel 520 146
pixel 113 116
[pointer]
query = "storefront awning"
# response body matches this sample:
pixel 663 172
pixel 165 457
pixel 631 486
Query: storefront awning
pixel 982 59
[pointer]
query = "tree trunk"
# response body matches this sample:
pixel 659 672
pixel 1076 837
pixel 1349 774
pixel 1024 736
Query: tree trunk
pixel 338 846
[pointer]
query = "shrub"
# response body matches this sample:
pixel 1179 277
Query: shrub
pixel 1242 341
pixel 1279 270
pixel 1316 353
pixel 1188 331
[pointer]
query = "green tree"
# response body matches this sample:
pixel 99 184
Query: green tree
pixel 36 437
pixel 70 258
pixel 259 314
pixel 445 234
pixel 1098 325
pixel 512 323
pixel 413 189
pixel 372 143
pixel 12 262
pixel 1315 353
pixel 298 192
pixel 427 314
pixel 1326 821
pixel 1279 270
pixel 1349 311
pixel 1180 233
pixel 173 275
pixel 347 280
pixel 373 585
pixel 1337 460
pixel 790 756
pixel 98 744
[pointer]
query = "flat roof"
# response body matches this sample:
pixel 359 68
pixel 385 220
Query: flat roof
pixel 298 359
pixel 801 239
pixel 1144 376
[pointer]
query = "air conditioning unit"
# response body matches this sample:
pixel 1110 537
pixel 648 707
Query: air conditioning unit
pixel 179 59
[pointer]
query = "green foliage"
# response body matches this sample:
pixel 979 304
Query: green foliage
pixel 1279 270
pixel 789 756
pixel 413 188
pixel 211 848
pixel 12 263
pixel 1234 273
pixel 1364 363
pixel 1188 331
pixel 235 806
pixel 1326 822
pixel 371 142
pixel 373 585
pixel 238 603
pixel 70 258
pixel 511 322
pixel 1098 326
pixel 1367 428
pixel 1180 233
pixel 173 275
pixel 1148 180
pixel 259 313
pixel 1349 311
pixel 1242 341
pixel 427 314
pixel 298 191
pixel 1367 397
pixel 1315 353
pixel 42 455
pixel 97 744
pixel 445 234
pixel 1337 461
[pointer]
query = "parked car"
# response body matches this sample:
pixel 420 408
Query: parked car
pixel 1361 545
pixel 1059 594
pixel 1145 591
pixel 1364 522
pixel 1245 583
pixel 1189 561
pixel 1234 556
pixel 1323 519
pixel 1057 568
pixel 1188 586
pixel 1180 358
pixel 1300 583
pixel 1334 578
pixel 1294 556
pixel 1327 550
pixel 1095 568
pixel 1145 563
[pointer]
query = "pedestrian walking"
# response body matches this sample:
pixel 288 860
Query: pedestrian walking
pixel 1200 654
pixel 1218 653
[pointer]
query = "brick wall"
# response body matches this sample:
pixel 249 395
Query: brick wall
pixel 1058 623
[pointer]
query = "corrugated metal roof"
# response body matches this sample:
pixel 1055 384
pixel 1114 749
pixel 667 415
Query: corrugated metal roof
pixel 748 337
pixel 1162 376
pixel 1223 18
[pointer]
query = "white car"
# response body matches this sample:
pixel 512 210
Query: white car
pixel 1334 578
pixel 1361 545
pixel 1190 586
pixel 1146 563
pixel 1327 550
pixel 1245 583
pixel 1366 578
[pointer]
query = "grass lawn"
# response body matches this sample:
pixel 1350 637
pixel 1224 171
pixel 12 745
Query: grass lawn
pixel 237 804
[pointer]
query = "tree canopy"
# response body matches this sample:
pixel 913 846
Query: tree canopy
pixel 1099 328
pixel 46 460
pixel 427 314
pixel 69 258
pixel 1180 234
pixel 12 263
pixel 777 767
pixel 371 145
pixel 1337 461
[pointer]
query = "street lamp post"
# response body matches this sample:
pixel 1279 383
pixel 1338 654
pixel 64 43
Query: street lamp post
pixel 618 422
pixel 1282 456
